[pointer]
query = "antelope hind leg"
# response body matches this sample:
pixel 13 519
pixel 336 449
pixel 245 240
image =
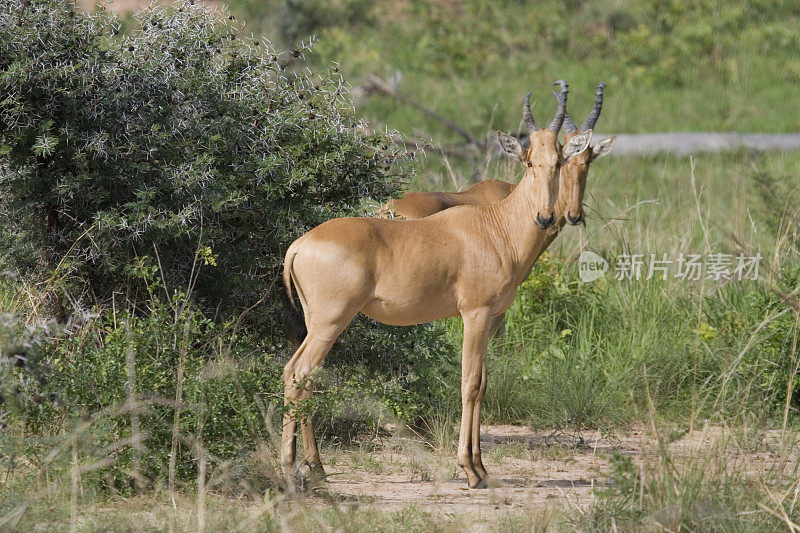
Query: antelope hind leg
pixel 288 439
pixel 296 386
pixel 316 471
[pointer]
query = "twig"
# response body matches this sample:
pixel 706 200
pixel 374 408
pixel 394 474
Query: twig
pixel 161 271
pixel 75 479
pixel 175 424
pixel 375 84
pixel 450 172
pixel 245 312
pixel 201 471
pixel 781 511
pixel 133 402
pixel 697 205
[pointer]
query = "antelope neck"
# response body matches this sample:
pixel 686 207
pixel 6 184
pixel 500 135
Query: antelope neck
pixel 512 224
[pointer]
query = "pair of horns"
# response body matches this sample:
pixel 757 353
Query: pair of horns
pixel 591 120
pixel 558 120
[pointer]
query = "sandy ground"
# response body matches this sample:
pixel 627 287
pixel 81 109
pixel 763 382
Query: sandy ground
pixel 117 6
pixel 530 471
pixel 539 478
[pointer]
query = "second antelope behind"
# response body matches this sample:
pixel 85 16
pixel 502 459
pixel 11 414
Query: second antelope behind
pixel 465 261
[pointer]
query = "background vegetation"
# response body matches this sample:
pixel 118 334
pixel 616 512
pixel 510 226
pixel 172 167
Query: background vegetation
pixel 669 65
pixel 155 168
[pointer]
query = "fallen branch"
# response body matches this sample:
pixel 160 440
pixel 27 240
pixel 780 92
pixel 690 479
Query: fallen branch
pixel 375 84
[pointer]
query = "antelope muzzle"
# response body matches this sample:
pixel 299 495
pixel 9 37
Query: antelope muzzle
pixel 574 220
pixel 545 223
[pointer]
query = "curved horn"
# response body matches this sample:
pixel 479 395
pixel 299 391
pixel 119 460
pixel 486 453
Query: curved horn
pixel 568 126
pixel 527 116
pixel 558 120
pixel 590 121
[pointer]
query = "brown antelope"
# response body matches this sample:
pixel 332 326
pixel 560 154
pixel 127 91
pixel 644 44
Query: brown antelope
pixel 572 185
pixel 466 261
pixel 573 180
pixel 422 204
pixel 574 173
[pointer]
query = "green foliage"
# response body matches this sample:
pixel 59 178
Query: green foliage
pixel 600 354
pixel 767 358
pixel 121 366
pixel 755 326
pixel 125 366
pixel 573 366
pixel 669 42
pixel 182 142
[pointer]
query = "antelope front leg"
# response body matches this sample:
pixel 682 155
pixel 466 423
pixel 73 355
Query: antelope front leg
pixel 476 338
pixel 477 463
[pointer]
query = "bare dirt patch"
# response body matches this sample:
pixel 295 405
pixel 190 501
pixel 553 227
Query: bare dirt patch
pixel 530 470
pixel 117 6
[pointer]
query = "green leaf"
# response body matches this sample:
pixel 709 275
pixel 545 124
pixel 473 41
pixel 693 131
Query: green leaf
pixel 45 145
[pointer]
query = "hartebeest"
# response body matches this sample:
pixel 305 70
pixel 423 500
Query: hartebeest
pixel 464 261
pixel 572 185
pixel 423 204
pixel 573 180
pixel 574 173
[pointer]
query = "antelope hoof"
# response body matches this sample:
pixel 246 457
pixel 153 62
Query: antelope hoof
pixel 473 479
pixel 480 484
pixel 316 474
pixel 294 479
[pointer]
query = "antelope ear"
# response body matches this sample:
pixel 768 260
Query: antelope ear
pixel 577 145
pixel 603 147
pixel 511 146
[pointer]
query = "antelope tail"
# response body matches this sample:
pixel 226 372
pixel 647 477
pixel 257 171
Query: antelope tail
pixel 295 325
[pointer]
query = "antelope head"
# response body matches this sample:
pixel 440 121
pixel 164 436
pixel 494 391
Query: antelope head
pixel 545 157
pixel 573 174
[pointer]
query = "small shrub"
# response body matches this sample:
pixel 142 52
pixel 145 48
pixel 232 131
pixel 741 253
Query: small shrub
pixel 117 369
